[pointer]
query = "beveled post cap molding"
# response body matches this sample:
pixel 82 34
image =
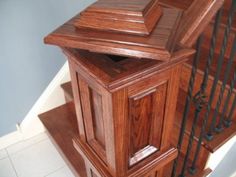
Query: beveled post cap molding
pixel 132 16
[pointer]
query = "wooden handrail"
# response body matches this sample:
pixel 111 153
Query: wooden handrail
pixel 196 18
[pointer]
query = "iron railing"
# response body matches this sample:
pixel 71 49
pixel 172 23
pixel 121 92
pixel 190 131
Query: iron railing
pixel 225 98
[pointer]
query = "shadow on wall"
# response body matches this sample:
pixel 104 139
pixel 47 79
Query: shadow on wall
pixel 226 167
pixel 27 65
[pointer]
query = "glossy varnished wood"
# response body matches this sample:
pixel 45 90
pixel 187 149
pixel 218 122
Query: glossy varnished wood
pixel 68 93
pixel 158 45
pixel 114 75
pixel 134 16
pixel 196 18
pixel 61 125
pixel 125 105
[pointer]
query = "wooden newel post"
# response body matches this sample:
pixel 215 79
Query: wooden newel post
pixel 125 59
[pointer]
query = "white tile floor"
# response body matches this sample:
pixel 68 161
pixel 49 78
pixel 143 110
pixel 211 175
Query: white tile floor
pixel 36 157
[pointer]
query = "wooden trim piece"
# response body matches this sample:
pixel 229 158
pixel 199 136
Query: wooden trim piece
pixel 195 20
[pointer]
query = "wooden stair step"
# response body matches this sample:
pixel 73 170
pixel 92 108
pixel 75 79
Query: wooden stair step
pixel 67 88
pixel 211 146
pixel 199 173
pixel 184 82
pixel 219 40
pixel 62 126
pixel 218 140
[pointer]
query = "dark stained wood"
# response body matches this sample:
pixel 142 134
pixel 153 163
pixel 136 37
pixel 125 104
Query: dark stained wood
pixel 135 17
pixel 196 18
pixel 61 125
pixel 158 45
pixel 67 88
pixel 219 139
pixel 146 122
pixel 185 76
pixel 116 75
pixel 199 173
pixel 125 105
pixel 185 4
pixel 142 118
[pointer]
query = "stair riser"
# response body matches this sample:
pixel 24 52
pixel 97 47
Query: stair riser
pixel 203 155
pixel 185 76
pixel 221 31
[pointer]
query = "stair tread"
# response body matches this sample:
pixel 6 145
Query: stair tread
pixel 68 90
pixel 62 126
pixel 218 140
pixel 199 173
pixel 202 65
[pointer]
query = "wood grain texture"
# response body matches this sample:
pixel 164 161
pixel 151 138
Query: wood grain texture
pixel 158 45
pixel 134 17
pixel 196 18
pixel 185 76
pixel 125 105
pixel 146 123
pixel 137 116
pixel 116 75
pixel 61 125
pixel 68 93
pixel 219 139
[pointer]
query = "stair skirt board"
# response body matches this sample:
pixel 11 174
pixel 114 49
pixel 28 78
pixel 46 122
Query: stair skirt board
pixel 52 97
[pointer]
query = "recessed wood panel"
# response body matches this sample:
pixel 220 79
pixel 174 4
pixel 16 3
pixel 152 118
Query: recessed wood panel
pixel 146 113
pixel 96 109
pixel 92 109
pixel 141 116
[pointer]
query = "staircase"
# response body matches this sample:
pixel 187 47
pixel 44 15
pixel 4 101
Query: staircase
pixel 206 109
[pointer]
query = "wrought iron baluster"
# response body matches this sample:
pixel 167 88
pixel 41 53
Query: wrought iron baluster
pixel 188 100
pixel 225 108
pixel 209 135
pixel 192 169
pixel 228 121
pixel 199 101
pixel 219 127
pixel 202 133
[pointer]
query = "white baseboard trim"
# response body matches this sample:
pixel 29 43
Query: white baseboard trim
pixel 51 97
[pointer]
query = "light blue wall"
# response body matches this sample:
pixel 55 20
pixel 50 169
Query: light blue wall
pixel 27 65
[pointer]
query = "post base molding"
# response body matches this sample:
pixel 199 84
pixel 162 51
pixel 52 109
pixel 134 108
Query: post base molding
pixel 95 166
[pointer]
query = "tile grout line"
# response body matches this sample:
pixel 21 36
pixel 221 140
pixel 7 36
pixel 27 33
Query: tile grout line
pixel 5 152
pixel 55 170
pixel 27 147
pixel 12 164
pixel 24 140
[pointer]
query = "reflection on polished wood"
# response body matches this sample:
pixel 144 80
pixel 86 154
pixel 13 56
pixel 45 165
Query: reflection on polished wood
pixel 125 61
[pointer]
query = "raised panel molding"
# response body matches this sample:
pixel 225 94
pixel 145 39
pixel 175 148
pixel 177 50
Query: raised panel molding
pixel 97 117
pixel 92 110
pixel 146 113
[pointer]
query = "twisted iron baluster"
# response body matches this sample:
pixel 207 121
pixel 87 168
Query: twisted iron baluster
pixel 188 101
pixel 207 114
pixel 199 101
pixel 228 121
pixel 192 169
pixel 209 135
pixel 219 127
pixel 233 82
